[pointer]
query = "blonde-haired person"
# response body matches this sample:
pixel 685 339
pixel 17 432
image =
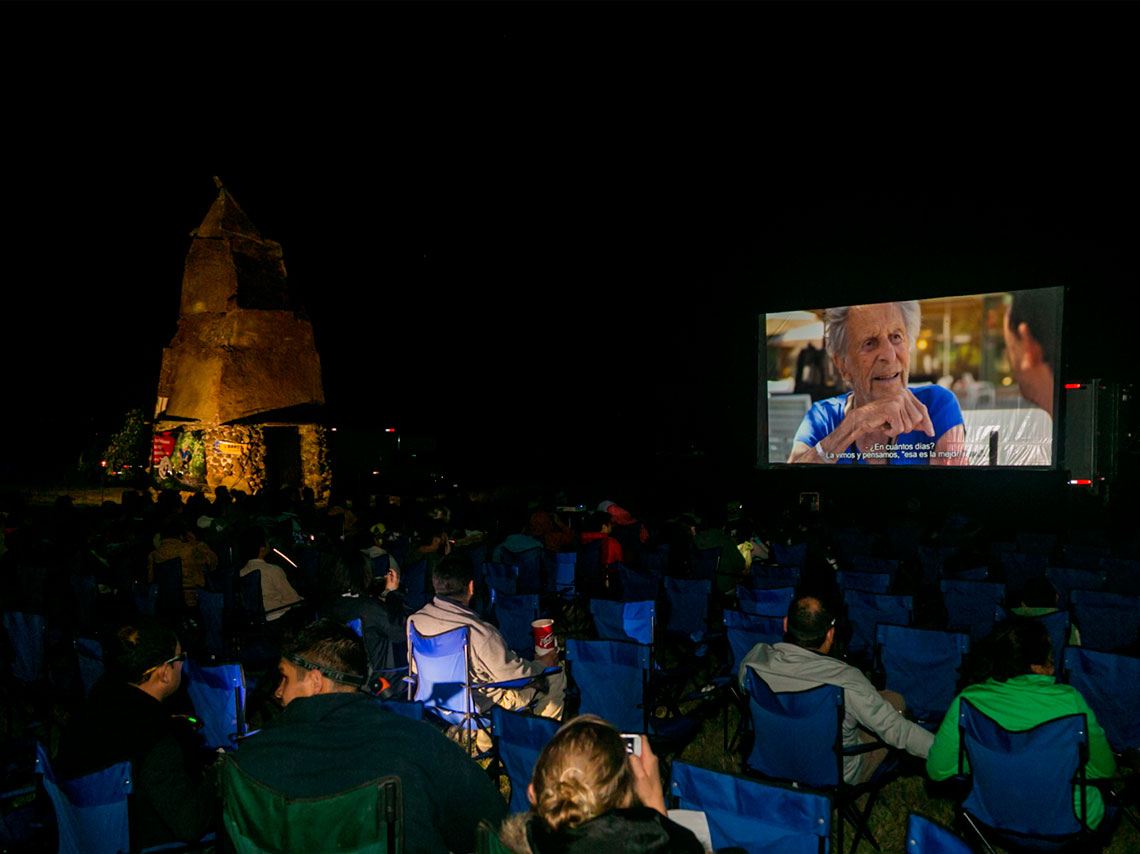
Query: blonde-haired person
pixel 588 795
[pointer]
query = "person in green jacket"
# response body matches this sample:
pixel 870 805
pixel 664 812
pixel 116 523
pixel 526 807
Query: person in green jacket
pixel 1022 693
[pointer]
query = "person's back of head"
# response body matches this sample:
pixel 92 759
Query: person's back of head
pixel 1039 593
pixel 809 620
pixel 582 773
pixel 138 648
pixel 332 649
pixel 452 577
pixel 250 543
pixel 597 522
pixel 1017 647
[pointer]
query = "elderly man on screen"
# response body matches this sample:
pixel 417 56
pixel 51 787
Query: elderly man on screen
pixel 881 420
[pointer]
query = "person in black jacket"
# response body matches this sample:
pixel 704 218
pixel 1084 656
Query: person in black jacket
pixel 124 719
pixel 588 795
pixel 332 737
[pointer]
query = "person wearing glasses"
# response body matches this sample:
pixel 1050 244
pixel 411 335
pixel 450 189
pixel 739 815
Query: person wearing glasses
pixel 802 660
pixel 127 718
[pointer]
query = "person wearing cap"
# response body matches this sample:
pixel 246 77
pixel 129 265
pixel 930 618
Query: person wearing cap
pixel 127 718
pixel 331 736
pixel 376 549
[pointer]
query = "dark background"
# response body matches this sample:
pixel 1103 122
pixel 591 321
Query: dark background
pixel 543 235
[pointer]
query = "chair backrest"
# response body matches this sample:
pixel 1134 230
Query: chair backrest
pixel 688 602
pixel 797 734
pixel 767 575
pixel 704 563
pixel 261 820
pixel 218 694
pixel 415 585
pixel 757 817
pixel 145 597
pixel 970 605
pixel 872 582
pixel 26 636
pixel 501 577
pixel 529 563
pixel 923 665
pixel 89 653
pixel 1020 567
pixel 441 673
pixel 168 577
pixel 1110 684
pixel 514 614
pixel 559 567
pixel 625 621
pixel 770 601
pixel 636 585
pixel 1122 574
pixel 1065 579
pixel 90 811
pixel 405 708
pixel 212 607
pixel 1043 761
pixel 1108 621
pixel 793 555
pixel 925 837
pixel 744 631
pixel 249 596
pixel 874 565
pixel 519 738
pixel 866 610
pixel 610 677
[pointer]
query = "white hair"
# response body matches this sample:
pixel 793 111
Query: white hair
pixel 835 325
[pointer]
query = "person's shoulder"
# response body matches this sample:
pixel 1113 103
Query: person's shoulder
pixel 935 396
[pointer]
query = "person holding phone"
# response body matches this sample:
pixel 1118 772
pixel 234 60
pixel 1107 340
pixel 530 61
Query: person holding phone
pixel 592 790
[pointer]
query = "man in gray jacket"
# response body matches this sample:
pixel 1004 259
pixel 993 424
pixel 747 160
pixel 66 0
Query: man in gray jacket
pixel 801 662
pixel 492 660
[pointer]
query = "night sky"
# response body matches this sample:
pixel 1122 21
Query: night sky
pixel 536 229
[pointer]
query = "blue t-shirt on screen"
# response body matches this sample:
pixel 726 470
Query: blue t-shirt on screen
pixel 825 416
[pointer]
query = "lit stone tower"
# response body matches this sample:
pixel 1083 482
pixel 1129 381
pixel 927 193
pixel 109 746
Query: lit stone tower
pixel 240 384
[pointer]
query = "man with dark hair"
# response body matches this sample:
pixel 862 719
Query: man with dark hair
pixel 124 719
pixel 1031 343
pixel 492 660
pixel 802 662
pixel 332 737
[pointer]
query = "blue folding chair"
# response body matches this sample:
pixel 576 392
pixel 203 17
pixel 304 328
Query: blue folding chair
pixel 560 572
pixel 145 597
pixel 704 563
pixel 501 577
pixel 91 812
pixel 611 678
pixel 1056 624
pixel 26 637
pixel 441 680
pixel 687 600
pixel 864 611
pixel 765 575
pixel 627 621
pixel 1108 621
pixel 1022 783
pixel 1122 575
pixel 89 653
pixel 212 607
pixel 1084 556
pixel 771 601
pixel 874 565
pixel 636 585
pixel 218 694
pixel 656 559
pixel 414 581
pixel 971 605
pixel 1066 579
pixel 870 582
pixel 925 837
pixel 932 559
pixel 514 614
pixel 168 577
pixel 756 817
pixel 745 630
pixel 405 708
pixel 798 739
pixel 519 739
pixel 794 555
pixel 923 665
pixel 529 565
pixel 853 541
pixel 1110 684
pixel 1020 567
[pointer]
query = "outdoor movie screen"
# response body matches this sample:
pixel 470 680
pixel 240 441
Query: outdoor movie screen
pixel 952 381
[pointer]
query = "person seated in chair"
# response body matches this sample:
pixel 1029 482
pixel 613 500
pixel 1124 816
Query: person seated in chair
pixel 1020 693
pixel 492 660
pixel 276 591
pixel 802 661
pixel 332 737
pixel 125 719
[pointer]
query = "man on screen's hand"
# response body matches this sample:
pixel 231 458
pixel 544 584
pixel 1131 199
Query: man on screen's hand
pixel 881 420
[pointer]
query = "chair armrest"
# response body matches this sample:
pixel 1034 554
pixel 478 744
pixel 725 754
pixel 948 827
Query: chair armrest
pixel 517 683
